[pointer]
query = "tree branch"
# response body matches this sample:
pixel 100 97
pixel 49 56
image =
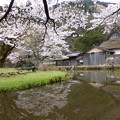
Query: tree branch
pixel 48 16
pixel 8 10
pixel 115 12
pixel 46 10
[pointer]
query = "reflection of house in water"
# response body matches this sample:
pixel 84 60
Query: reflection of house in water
pixel 70 60
pixel 99 77
pixel 96 77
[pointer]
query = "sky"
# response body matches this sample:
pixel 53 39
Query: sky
pixel 2 2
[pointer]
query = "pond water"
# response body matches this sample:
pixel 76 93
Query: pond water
pixel 91 95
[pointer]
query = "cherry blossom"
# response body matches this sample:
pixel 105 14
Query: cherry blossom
pixel 108 17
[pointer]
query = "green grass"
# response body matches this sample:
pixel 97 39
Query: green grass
pixel 117 70
pixel 6 70
pixel 31 79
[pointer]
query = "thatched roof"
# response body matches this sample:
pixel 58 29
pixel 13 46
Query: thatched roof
pixel 111 44
pixel 113 31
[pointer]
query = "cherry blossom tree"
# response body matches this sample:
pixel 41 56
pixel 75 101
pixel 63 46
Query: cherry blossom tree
pixel 60 25
pixel 108 17
pixel 12 30
pixel 50 47
pixel 55 25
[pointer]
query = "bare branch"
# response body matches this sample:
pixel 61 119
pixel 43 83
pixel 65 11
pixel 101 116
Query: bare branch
pixel 8 11
pixel 48 16
pixel 46 10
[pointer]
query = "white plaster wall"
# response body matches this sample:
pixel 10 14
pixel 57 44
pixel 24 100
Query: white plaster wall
pixel 117 51
pixel 94 50
pixel 114 36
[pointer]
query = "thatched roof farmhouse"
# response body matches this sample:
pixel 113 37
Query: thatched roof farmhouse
pixel 108 53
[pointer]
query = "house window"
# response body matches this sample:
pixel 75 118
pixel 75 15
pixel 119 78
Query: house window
pixel 111 53
pixel 80 61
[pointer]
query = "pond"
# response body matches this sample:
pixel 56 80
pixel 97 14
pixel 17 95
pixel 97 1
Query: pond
pixel 91 95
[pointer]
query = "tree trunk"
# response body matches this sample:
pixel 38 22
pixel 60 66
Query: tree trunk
pixel 5 50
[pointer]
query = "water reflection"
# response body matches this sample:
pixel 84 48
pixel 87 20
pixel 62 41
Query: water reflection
pixel 108 81
pixel 99 77
pixel 40 102
pixel 9 110
pixel 78 99
pixel 34 104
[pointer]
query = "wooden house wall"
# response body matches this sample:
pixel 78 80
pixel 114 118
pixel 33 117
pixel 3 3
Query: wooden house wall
pixel 97 58
pixel 68 62
pixel 58 63
pixel 73 62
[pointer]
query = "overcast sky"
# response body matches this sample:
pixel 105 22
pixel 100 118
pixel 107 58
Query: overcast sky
pixel 7 1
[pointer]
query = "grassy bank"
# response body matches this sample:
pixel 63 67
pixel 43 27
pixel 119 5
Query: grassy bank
pixel 6 70
pixel 117 70
pixel 90 67
pixel 31 79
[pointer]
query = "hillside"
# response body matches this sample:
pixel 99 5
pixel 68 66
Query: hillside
pixel 105 4
pixel 75 41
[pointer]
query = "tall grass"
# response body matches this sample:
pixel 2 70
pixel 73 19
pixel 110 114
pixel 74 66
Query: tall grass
pixel 31 79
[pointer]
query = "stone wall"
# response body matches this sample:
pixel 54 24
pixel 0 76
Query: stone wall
pixel 113 61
